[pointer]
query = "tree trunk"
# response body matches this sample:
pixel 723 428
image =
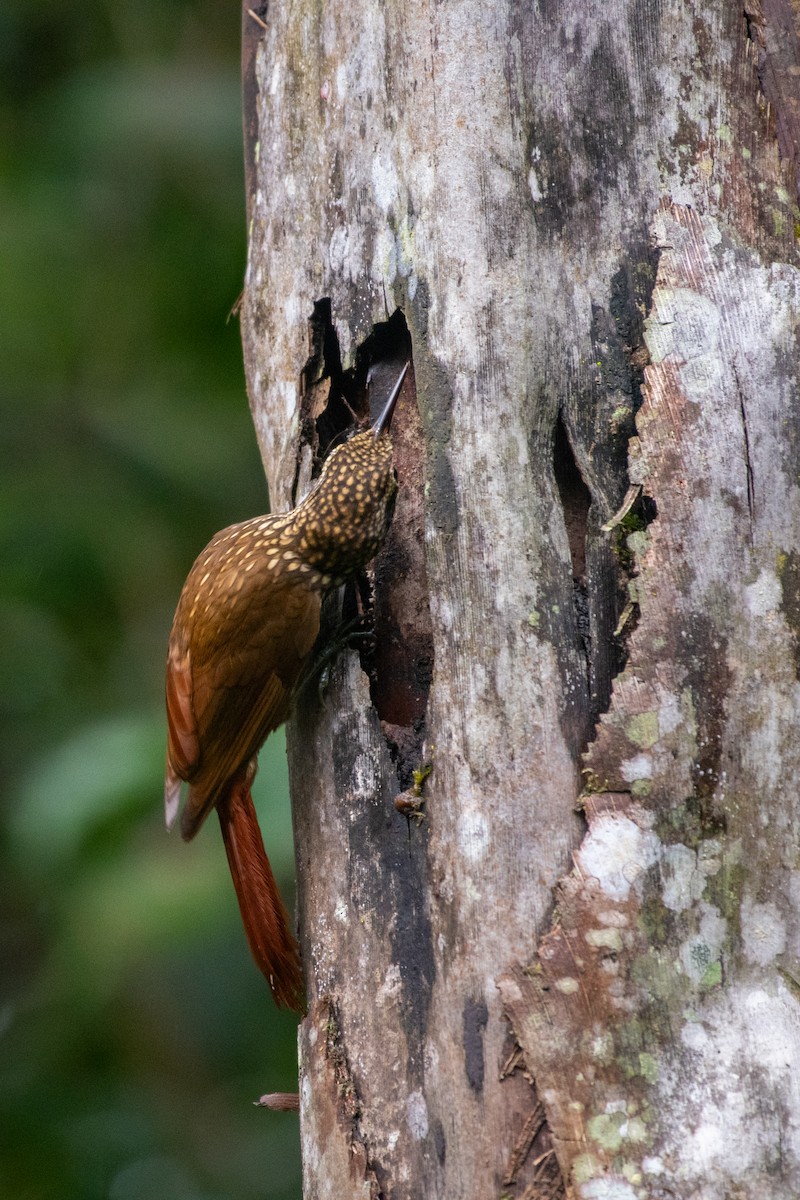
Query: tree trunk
pixel 576 971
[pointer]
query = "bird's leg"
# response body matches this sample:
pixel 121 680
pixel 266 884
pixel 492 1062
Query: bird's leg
pixel 343 627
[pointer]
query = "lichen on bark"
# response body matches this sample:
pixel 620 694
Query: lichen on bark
pixel 673 935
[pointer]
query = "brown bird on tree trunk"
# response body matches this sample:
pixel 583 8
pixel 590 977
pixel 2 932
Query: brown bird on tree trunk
pixel 246 621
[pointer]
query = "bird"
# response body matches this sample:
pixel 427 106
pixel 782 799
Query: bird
pixel 243 632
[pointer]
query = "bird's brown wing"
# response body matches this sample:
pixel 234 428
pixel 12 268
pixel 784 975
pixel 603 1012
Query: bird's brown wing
pixel 239 690
pixel 183 749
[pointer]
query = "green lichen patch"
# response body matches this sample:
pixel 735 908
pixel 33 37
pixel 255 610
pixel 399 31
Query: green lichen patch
pixel 642 729
pixel 637 542
pixel 712 977
pixel 586 1167
pixel 606 1130
pixel 648 1067
pixel 611 1130
pixel 661 979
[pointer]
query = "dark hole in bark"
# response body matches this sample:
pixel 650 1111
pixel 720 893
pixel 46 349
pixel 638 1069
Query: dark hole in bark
pixel 335 401
pixel 649 508
pixel 325 409
pixel 576 500
pixel 392 597
pixel 400 661
pixel 575 497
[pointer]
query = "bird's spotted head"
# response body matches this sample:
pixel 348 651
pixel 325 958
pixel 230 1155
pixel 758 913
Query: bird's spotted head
pixel 349 510
pixel 347 513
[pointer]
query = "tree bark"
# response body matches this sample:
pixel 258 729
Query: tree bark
pixel 576 971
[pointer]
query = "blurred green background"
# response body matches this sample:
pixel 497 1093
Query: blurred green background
pixel 134 1029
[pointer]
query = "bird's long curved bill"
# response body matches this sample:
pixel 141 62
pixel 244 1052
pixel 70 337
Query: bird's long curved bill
pixel 385 419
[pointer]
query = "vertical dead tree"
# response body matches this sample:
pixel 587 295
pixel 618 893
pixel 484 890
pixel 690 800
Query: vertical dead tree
pixel 579 973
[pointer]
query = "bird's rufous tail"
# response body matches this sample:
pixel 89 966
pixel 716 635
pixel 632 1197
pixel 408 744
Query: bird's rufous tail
pixel 263 913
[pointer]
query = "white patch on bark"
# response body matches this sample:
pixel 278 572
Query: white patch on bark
pixel 607 1189
pixel 385 184
pixel 417 1115
pixel 617 853
pixel 683 877
pixel 391 987
pixel 638 767
pixel 533 183
pixel 473 835
pixel 765 595
pixel 741 1053
pixel 763 932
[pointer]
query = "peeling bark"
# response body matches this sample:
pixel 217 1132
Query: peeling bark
pixel 580 221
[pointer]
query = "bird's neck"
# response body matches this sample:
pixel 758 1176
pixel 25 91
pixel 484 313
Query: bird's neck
pixel 333 543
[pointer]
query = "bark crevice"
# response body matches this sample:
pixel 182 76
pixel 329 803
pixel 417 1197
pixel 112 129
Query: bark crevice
pixel 348 1103
pixel 576 500
pixel 748 458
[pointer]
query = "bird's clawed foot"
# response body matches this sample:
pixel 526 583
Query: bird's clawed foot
pixel 351 636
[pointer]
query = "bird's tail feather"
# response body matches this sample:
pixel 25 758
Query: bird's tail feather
pixel 266 922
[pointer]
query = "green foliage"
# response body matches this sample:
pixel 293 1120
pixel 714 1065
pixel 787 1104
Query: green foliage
pixel 135 1029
